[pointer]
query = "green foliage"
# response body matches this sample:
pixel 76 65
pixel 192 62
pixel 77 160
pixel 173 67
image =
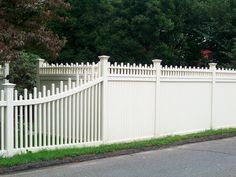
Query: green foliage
pixel 23 26
pixel 23 72
pixel 211 25
pixel 138 31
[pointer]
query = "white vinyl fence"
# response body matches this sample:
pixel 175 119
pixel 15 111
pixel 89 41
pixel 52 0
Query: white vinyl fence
pixel 107 103
pixel 55 73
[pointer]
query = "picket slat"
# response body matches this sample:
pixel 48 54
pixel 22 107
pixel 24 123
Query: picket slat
pixel 81 116
pixel 35 120
pixel 99 112
pixel 30 124
pixel 40 123
pixel 95 112
pixel 16 122
pixel 66 119
pixel 89 114
pixel 61 115
pixel 2 129
pixel 48 121
pixel 21 125
pixel 57 119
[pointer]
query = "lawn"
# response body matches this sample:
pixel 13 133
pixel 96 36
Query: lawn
pixel 139 145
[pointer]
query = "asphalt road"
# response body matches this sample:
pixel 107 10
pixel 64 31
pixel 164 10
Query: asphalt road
pixel 207 159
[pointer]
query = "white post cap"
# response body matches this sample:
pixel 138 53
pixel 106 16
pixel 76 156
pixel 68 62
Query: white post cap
pixel 103 57
pixel 40 59
pixel 156 61
pixel 8 85
pixel 212 64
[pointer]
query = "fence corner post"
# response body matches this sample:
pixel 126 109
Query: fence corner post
pixel 39 65
pixel 157 66
pixel 104 68
pixel 212 67
pixel 9 123
pixel 6 71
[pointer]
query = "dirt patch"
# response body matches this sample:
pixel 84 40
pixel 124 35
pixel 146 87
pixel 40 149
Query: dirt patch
pixel 83 158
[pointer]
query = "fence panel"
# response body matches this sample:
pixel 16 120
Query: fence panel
pixel 59 117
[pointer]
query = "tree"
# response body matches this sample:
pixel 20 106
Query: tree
pixel 138 31
pixel 143 30
pixel 211 25
pixel 23 25
pixel 86 21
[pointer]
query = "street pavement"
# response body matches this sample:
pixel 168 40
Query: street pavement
pixel 206 159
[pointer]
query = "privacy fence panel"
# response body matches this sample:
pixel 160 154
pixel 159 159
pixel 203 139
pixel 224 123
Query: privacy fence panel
pixel 187 105
pixel 224 99
pixel 131 98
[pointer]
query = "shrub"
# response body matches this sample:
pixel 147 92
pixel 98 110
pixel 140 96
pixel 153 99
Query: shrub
pixel 23 72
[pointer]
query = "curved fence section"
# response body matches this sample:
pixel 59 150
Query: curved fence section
pixel 65 116
pixel 68 115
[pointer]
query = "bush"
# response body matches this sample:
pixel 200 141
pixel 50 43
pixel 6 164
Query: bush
pixel 23 72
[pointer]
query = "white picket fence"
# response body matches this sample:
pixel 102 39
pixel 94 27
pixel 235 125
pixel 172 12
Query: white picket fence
pixel 104 103
pixel 56 117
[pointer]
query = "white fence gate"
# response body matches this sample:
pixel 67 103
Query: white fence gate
pixel 106 103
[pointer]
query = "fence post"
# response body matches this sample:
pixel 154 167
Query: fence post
pixel 157 66
pixel 104 66
pixel 6 71
pixel 9 124
pixel 213 70
pixel 39 65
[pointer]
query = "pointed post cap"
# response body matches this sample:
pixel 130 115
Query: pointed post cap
pixel 103 57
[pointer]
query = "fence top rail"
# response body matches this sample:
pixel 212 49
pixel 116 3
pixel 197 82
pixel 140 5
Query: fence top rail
pixel 130 66
pixel 72 65
pixel 226 70
pixel 129 69
pixel 185 68
pixel 54 93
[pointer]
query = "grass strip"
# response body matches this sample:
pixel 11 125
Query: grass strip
pixel 47 155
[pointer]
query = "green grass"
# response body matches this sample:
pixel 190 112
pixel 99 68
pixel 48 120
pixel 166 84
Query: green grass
pixel 71 152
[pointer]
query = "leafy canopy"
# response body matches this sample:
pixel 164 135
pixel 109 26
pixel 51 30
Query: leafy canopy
pixel 138 31
pixel 23 25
